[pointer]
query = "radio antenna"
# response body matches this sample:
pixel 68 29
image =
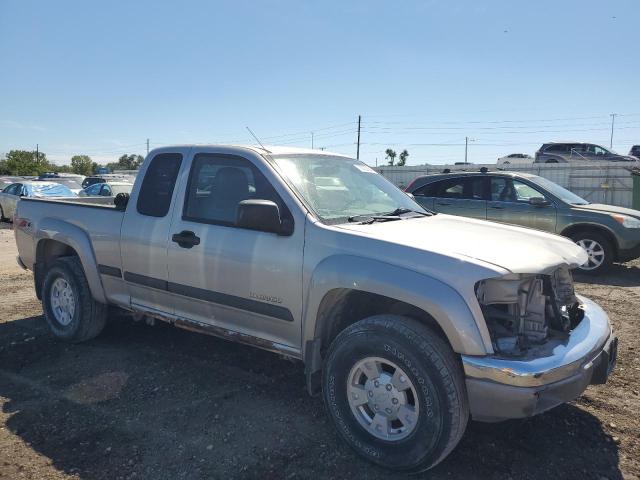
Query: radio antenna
pixel 257 140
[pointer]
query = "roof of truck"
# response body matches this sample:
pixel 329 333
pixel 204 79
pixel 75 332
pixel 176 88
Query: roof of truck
pixel 272 149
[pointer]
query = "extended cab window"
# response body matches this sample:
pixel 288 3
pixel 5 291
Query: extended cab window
pixel 218 183
pixel 158 184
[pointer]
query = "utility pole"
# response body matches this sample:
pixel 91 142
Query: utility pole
pixel 147 146
pixel 37 151
pixel 466 148
pixel 312 140
pixel 613 119
pixel 358 150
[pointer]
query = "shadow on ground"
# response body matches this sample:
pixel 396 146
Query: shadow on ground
pixel 164 403
pixel 618 275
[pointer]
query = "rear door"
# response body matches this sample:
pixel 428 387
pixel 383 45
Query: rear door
pixel 510 203
pixel 243 281
pixel 464 196
pixel 145 231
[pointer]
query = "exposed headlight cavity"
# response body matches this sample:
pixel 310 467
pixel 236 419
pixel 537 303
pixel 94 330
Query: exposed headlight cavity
pixel 522 311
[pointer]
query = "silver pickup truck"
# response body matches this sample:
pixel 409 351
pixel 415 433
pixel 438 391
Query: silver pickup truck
pixel 408 322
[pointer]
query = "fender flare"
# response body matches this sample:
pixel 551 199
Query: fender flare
pixel 78 239
pixel 447 307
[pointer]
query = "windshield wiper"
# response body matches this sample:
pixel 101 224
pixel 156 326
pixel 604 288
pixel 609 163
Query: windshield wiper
pixel 365 219
pixel 402 211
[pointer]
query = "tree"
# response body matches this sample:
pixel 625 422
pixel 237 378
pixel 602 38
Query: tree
pixel 403 158
pixel 81 164
pixel 24 162
pixel 390 155
pixel 130 162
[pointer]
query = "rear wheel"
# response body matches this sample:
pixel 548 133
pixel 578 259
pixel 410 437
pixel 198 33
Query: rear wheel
pixel 599 251
pixel 2 217
pixel 69 309
pixel 395 392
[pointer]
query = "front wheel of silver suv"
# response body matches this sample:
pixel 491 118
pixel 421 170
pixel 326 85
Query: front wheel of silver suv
pixel 395 391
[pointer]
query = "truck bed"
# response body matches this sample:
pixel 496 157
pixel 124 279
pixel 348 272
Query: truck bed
pixel 95 218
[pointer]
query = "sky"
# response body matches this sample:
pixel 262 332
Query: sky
pixel 100 78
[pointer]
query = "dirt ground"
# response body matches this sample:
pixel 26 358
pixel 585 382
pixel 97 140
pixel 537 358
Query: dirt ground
pixel 163 403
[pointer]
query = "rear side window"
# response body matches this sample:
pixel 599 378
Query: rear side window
pixel 428 190
pixel 469 188
pixel 158 184
pixel 558 148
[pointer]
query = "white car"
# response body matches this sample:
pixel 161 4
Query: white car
pixel 515 159
pixel 29 188
pixel 106 189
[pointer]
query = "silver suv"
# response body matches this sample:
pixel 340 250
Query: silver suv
pixel 578 152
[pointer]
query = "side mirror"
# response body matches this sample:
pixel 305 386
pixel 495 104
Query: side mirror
pixel 121 201
pixel 262 215
pixel 410 195
pixel 538 201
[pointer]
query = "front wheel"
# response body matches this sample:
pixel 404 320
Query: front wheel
pixel 71 312
pixel 395 392
pixel 598 249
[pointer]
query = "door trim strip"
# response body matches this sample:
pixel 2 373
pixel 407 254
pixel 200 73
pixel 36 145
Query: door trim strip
pixel 240 303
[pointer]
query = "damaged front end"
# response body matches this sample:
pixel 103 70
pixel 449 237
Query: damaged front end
pixel 524 310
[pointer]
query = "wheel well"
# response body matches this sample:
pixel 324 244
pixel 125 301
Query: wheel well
pixel 343 307
pixel 573 229
pixel 47 252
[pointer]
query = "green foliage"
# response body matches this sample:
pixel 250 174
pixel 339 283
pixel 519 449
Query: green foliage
pixel 403 158
pixel 390 155
pixel 62 168
pixel 81 164
pixel 129 162
pixel 23 162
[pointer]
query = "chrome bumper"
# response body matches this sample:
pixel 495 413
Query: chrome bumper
pixel 554 373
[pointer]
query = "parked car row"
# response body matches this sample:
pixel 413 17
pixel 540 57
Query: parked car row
pixel 29 189
pixel 53 185
pixel 567 152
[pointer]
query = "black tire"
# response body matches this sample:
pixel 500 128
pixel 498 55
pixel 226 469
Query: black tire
pixel 89 316
pixel 429 363
pixel 606 246
pixel 2 217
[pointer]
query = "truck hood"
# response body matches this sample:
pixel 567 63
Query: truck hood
pixel 516 249
pixel 599 207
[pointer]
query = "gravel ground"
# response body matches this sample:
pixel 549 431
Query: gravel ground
pixel 163 403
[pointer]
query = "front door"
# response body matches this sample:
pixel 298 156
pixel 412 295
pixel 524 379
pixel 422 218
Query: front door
pixel 243 281
pixel 510 203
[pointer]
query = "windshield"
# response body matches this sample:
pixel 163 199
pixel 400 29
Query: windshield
pixel 337 188
pixel 48 190
pixel 559 192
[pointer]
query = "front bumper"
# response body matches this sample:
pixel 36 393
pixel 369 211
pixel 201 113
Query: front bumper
pixel 559 371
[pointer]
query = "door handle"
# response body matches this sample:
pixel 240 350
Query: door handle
pixel 186 239
pixel 443 204
pixel 497 207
